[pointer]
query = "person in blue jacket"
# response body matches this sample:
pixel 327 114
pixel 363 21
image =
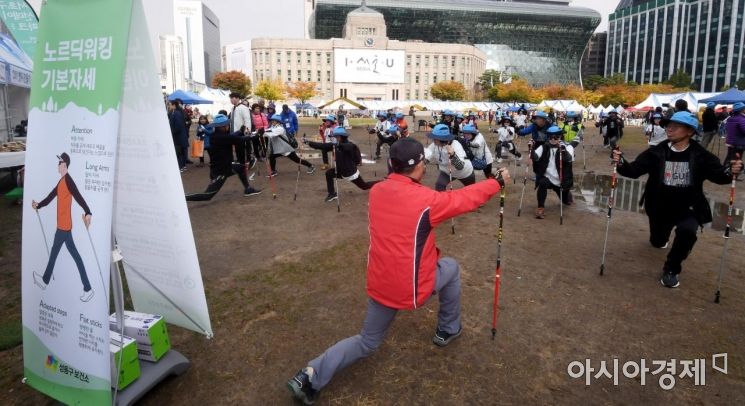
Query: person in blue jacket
pixel 537 129
pixel 289 120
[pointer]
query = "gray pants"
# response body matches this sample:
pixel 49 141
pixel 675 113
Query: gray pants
pixel 706 138
pixel 444 179
pixel 379 318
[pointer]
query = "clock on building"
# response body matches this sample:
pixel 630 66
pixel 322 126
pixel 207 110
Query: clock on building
pixel 369 42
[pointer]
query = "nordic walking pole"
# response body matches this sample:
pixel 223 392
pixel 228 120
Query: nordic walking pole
pixel 498 272
pixel 268 154
pixel 95 255
pixel 561 184
pixel 726 234
pixel 525 177
pixel 450 173
pixel 582 140
pixel 336 183
pixel 44 234
pixel 610 209
pixel 297 179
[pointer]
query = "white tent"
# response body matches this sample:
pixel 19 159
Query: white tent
pixel 575 107
pixel 220 101
pixel 598 109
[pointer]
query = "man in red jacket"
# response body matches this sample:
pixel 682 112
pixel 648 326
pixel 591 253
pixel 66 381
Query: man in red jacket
pixel 404 265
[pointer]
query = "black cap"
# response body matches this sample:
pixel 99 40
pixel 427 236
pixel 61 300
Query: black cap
pixel 236 95
pixel 64 158
pixel 405 153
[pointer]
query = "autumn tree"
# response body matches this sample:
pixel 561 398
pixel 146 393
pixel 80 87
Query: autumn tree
pixel 270 89
pixel 233 80
pixel 303 91
pixel 680 79
pixel 448 90
pixel 517 90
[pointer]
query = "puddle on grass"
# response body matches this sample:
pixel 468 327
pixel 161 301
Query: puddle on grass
pixel 593 190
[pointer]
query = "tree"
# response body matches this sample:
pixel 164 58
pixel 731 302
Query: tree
pixel 302 91
pixel 518 90
pixel 489 78
pixel 680 79
pixel 593 82
pixel 740 83
pixel 493 94
pixel 270 89
pixel 234 81
pixel 448 90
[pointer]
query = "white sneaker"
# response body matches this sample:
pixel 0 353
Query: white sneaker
pixel 39 281
pixel 86 296
pixel 499 160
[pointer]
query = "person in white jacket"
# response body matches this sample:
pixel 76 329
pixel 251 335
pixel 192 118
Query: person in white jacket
pixel 482 157
pixel 450 158
pixel 279 145
pixel 240 120
pixel 655 133
pixel 381 130
pixel 506 133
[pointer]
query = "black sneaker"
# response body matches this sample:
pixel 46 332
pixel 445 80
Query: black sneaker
pixel 442 338
pixel 301 389
pixel 331 197
pixel 669 280
pixel 251 191
pixel 311 170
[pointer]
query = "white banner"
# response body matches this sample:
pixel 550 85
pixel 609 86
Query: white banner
pixel 188 25
pixel 19 77
pixel 369 66
pixel 151 220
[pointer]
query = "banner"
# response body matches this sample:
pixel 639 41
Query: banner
pixel 368 66
pixel 151 220
pixel 187 21
pixel 68 197
pixel 21 21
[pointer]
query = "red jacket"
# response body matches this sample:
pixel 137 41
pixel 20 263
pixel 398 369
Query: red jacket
pixel 403 257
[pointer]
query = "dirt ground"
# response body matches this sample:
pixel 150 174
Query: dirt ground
pixel 285 279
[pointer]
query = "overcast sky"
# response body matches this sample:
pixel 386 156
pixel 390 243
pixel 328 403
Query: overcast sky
pixel 604 7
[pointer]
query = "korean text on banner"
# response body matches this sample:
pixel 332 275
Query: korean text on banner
pixel 68 199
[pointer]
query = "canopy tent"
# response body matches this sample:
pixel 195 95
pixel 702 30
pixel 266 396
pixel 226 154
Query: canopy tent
pixel 188 97
pixel 693 99
pixel 15 76
pixel 575 107
pixel 597 110
pixel 220 100
pixel 341 102
pixel 730 96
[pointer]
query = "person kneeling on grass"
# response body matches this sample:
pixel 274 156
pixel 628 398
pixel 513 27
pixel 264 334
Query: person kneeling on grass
pixel 348 158
pixel 553 169
pixel 279 145
pixel 221 160
pixel 674 196
pixel 450 156
pixel 404 267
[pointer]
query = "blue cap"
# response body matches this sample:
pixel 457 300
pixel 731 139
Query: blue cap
pixel 219 121
pixel 276 117
pixel 469 129
pixel 330 117
pixel 613 111
pixel 685 118
pixel 571 114
pixel 710 105
pixel 399 115
pixel 381 114
pixel 739 106
pixel 339 132
pixel 541 114
pixel 460 116
pixel 441 132
pixel 554 130
pixel 392 129
pixel 656 116
pixel 471 114
pixel 448 112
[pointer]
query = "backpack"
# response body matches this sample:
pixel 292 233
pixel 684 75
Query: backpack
pixel 464 144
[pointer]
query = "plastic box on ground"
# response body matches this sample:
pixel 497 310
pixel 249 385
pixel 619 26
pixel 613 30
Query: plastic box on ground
pixel 130 364
pixel 149 330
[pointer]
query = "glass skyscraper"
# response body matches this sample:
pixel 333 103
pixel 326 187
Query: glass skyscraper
pixel 540 40
pixel 649 40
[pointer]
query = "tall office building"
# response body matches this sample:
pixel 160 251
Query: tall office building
pixel 649 40
pixel 212 46
pixel 171 63
pixel 541 40
pixel 593 60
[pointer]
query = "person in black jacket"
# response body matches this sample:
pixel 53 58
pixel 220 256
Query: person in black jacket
pixel 221 160
pixel 348 158
pixel 613 129
pixel 674 195
pixel 180 134
pixel 710 124
pixel 553 169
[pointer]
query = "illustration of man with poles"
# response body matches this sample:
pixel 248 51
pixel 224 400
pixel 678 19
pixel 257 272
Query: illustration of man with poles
pixel 65 191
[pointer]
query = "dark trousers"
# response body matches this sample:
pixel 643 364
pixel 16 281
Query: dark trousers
pixel 510 147
pixel 542 186
pixel 488 170
pixel 293 157
pixel 324 147
pixel 65 237
pixel 382 140
pixel 732 152
pixel 444 179
pixel 685 226
pixel 330 173
pixel 181 154
pixel 218 180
